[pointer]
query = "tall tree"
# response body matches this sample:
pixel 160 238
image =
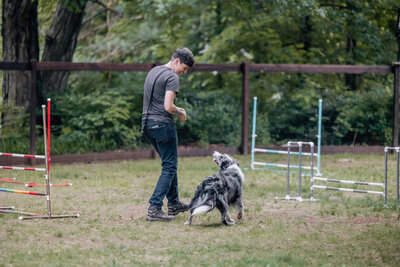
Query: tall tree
pixel 60 42
pixel 20 44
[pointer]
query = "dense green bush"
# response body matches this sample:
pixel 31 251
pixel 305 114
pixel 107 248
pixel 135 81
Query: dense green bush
pixel 213 117
pixel 92 117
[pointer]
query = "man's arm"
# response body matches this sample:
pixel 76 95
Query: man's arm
pixel 171 108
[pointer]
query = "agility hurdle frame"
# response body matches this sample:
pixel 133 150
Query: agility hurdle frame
pixel 384 184
pixel 313 178
pixel 46 157
pixel 300 145
pixel 272 151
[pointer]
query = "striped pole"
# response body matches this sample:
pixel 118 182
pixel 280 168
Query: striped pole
pixel 349 190
pixel 253 135
pixel 22 155
pixel 7 208
pixel 273 151
pixel 347 182
pixel 7 179
pixel 46 161
pixel 21 192
pixel 22 168
pixel 12 180
pixel 38 184
pixel 281 165
pixel 27 184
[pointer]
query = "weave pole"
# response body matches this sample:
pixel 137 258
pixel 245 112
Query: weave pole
pixel 300 145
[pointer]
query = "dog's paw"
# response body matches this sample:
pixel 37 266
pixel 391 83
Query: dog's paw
pixel 240 216
pixel 230 223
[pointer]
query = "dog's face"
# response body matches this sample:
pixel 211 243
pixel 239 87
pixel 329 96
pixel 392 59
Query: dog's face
pixel 224 160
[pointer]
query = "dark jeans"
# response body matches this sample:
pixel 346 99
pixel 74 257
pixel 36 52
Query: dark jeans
pixel 164 139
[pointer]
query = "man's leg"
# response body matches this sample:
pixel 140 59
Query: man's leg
pixel 172 195
pixel 166 146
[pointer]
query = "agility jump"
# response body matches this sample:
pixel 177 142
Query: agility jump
pixel 283 152
pixel 314 179
pixel 46 157
pixel 288 166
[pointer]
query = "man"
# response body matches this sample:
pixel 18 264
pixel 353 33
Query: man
pixel 160 89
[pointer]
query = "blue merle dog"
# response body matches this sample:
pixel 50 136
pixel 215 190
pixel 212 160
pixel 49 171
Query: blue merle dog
pixel 220 191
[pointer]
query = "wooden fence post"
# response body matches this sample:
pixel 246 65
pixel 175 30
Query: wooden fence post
pixel 245 108
pixel 396 72
pixel 32 110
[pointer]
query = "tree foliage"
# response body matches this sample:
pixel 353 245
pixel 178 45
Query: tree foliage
pixel 357 108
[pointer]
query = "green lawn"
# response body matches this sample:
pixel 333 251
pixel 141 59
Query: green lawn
pixel 340 229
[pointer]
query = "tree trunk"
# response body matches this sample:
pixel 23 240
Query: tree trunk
pixel 20 44
pixel 351 79
pixel 60 43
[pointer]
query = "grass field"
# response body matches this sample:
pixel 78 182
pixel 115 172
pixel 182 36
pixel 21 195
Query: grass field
pixel 340 229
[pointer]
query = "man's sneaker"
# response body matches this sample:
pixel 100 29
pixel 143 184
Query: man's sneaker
pixel 158 215
pixel 179 207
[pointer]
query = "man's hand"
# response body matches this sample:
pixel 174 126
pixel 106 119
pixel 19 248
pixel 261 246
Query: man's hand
pixel 181 113
pixel 171 108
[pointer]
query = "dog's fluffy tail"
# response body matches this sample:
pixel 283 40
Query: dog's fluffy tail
pixel 201 210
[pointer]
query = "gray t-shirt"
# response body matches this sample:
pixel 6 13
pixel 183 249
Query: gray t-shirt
pixel 167 81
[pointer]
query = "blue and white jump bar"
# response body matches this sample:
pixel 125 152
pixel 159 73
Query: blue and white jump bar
pixel 283 152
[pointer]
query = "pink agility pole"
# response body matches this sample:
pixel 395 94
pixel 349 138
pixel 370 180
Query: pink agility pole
pixel 6 179
pixel 29 184
pixel 22 155
pixel 11 180
pixel 48 133
pixel 39 184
